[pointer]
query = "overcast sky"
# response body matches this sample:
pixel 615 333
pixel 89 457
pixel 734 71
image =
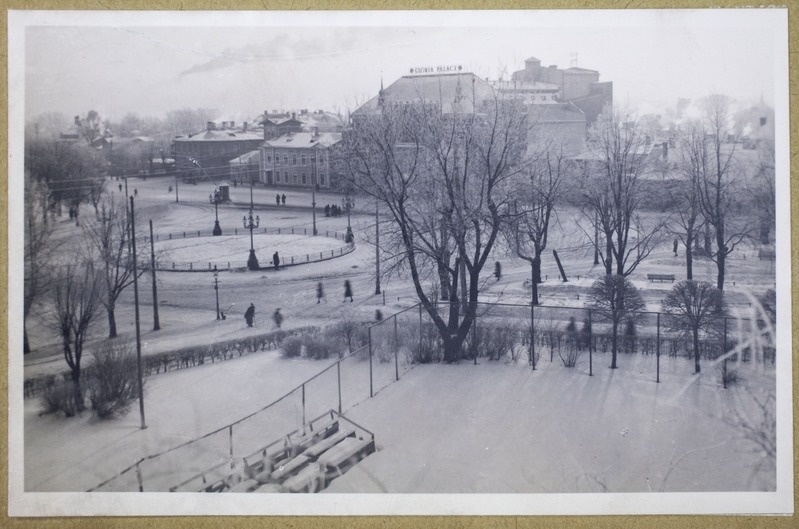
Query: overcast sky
pixel 242 64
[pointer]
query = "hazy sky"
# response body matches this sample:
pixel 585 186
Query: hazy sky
pixel 242 64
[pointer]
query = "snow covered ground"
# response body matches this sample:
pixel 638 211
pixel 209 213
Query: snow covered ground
pixel 494 427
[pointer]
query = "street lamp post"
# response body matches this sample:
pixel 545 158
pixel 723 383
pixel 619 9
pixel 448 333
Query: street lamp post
pixel 251 224
pixel 349 203
pixel 215 200
pixel 216 290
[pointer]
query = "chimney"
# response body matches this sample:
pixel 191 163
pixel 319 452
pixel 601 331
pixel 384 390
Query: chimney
pixel 232 124
pixel 293 115
pixel 316 132
pixel 210 126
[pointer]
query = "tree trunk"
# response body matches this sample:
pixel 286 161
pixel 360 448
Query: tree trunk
pixel 721 257
pixel 112 323
pixel 443 279
pixel 536 266
pixel 608 255
pixel 78 392
pixel 26 347
pixel 689 258
pixel 697 369
pixel 614 344
pixel 708 240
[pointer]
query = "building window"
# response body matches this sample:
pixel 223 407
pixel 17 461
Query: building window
pixel 269 158
pixel 303 159
pixel 285 159
pixel 277 176
pixel 322 179
pixel 293 159
pixel 295 178
pixel 303 178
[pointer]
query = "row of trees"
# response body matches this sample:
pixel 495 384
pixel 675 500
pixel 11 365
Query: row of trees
pixel 456 185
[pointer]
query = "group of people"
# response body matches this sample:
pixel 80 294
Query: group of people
pixel 279 198
pixel 333 211
pixel 277 317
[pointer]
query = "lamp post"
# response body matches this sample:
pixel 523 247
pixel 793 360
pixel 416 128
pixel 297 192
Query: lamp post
pixel 348 202
pixel 215 199
pixel 216 290
pixel 251 224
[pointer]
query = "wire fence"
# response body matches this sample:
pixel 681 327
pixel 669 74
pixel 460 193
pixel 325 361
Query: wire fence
pixel 394 345
pixel 344 383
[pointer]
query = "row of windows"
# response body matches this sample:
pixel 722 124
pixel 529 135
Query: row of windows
pixel 292 178
pixel 320 159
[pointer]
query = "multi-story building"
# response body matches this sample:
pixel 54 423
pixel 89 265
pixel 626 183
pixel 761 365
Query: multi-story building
pixel 300 159
pixel 208 153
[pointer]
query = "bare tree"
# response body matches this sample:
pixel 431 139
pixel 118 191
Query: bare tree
pixel 697 306
pixel 537 193
pixel 685 192
pixel 615 298
pixel 39 249
pixel 443 180
pixel 718 191
pixel 613 191
pixel 109 239
pixel 77 291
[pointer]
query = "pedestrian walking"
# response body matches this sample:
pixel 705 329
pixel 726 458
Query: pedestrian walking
pixel 327 210
pixel 249 315
pixel 284 199
pixel 276 260
pixel 675 247
pixel 320 292
pixel 277 199
pixel 277 317
pixel 120 187
pixel 347 290
pixel 135 192
pixel 498 270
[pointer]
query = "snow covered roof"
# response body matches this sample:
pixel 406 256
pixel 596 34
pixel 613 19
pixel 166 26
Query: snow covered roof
pixel 252 156
pixel 304 140
pixel 219 135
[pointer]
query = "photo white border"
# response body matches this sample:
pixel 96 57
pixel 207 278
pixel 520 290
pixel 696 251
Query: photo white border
pixel 21 503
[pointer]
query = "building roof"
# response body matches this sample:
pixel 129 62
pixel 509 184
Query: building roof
pixel 304 140
pixel 559 112
pixel 219 135
pixel 252 156
pixel 532 59
pixel 439 89
pixel 575 69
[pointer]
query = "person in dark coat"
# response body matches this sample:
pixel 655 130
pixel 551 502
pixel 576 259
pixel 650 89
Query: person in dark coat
pixel 320 292
pixel 284 199
pixel 675 247
pixel 327 210
pixel 347 290
pixel 276 260
pixel 249 315
pixel 277 199
pixel 277 317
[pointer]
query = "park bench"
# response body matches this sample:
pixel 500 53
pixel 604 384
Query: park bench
pixel 247 485
pixel 309 479
pixel 284 470
pixel 341 457
pixel 660 277
pixel 325 444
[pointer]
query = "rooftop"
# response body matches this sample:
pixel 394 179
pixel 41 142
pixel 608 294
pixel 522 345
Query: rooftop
pixel 304 140
pixel 219 135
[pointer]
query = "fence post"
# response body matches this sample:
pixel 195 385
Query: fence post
pixel 420 328
pixel 657 350
pixel 590 345
pixel 303 408
pixel 371 385
pixel 230 438
pixel 338 370
pixel 724 355
pixel 139 478
pixel 396 349
pixel 532 336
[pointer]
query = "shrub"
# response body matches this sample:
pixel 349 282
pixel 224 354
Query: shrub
pixel 728 376
pixel 351 335
pixel 59 397
pixel 319 347
pixel 291 347
pixel 427 349
pixel 112 380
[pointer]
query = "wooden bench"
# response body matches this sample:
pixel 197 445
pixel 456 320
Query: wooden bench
pixel 346 453
pixel 325 444
pixel 309 479
pixel 283 471
pixel 248 485
pixel 660 277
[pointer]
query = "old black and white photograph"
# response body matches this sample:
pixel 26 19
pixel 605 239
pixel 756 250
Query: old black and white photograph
pixel 399 262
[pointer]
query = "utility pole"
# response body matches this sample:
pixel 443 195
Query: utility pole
pixel 156 323
pixel 377 248
pixel 136 305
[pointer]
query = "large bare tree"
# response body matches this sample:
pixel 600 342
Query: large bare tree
pixel 613 191
pixel 537 193
pixel 77 291
pixel 444 181
pixel 719 191
pixel 109 241
pixel 684 190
